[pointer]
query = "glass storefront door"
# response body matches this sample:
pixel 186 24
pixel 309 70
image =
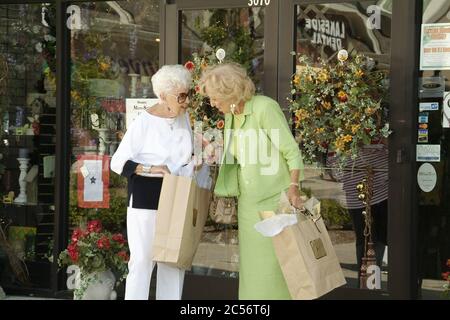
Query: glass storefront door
pixel 27 144
pixel 433 146
pixel 360 27
pixel 114 51
pixel 241 33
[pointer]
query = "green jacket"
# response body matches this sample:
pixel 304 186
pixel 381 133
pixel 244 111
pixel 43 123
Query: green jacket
pixel 269 174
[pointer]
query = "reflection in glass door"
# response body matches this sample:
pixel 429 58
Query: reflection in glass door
pixel 433 175
pixel 240 33
pixel 27 145
pixel 322 30
pixel 114 51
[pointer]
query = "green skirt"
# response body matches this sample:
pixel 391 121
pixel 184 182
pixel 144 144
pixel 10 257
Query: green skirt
pixel 260 275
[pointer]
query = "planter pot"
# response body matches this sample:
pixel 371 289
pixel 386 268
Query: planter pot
pixel 96 286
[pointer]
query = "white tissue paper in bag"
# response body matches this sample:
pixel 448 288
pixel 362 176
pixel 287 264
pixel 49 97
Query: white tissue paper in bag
pixel 203 178
pixel 274 225
pixel 286 216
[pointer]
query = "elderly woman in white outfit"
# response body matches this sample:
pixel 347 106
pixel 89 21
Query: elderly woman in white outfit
pixel 158 142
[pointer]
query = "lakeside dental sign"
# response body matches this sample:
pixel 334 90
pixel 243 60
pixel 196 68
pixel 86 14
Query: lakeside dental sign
pixel 326 32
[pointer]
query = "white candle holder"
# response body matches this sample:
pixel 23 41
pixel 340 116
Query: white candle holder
pixel 102 137
pixel 22 198
pixel 133 86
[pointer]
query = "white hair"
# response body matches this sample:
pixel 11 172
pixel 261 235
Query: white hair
pixel 169 78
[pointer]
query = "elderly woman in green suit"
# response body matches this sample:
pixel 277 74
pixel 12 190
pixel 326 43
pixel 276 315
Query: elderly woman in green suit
pixel 261 160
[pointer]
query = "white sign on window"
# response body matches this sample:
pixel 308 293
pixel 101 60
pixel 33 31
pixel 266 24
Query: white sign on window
pixel 134 107
pixel 435 47
pixel 428 153
pixel 426 177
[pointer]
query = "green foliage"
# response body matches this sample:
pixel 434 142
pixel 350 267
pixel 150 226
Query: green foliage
pixel 334 214
pixel 331 210
pixel 89 64
pixel 214 35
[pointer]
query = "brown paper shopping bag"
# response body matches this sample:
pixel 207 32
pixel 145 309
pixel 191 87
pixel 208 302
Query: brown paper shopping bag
pixel 182 212
pixel 306 255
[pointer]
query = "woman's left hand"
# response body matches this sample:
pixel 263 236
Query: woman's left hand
pixel 198 164
pixel 294 197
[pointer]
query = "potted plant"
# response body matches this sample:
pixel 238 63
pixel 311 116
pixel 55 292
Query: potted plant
pixel 101 257
pixel 446 277
pixel 338 106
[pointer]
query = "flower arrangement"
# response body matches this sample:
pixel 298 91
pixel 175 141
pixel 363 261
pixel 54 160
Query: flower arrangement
pixel 88 66
pixel 200 108
pixel 208 122
pixel 208 144
pixel 338 106
pixel 95 250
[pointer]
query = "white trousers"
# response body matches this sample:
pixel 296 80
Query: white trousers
pixel 169 280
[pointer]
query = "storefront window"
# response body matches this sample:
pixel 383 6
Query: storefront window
pixel 27 144
pixel 240 32
pixel 359 27
pixel 114 52
pixel 433 145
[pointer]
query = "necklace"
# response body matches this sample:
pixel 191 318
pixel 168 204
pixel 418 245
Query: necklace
pixel 170 122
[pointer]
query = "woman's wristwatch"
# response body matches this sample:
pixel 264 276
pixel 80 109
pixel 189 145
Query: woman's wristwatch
pixel 147 169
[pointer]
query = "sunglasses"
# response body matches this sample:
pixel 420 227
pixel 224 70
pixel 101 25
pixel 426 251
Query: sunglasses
pixel 181 98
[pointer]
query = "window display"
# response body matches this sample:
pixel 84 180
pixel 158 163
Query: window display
pixel 27 107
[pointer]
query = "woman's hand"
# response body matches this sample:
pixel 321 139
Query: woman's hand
pixel 155 170
pixel 294 197
pixel 139 169
pixel 198 164
pixel 160 170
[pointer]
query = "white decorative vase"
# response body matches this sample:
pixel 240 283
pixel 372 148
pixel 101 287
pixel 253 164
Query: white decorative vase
pixel 133 86
pixel 22 198
pixel 100 286
pixel 102 137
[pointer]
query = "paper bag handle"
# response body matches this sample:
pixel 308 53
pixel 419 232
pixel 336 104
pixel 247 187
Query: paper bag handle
pixel 194 217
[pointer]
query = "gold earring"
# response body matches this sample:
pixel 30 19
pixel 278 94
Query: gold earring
pixel 233 108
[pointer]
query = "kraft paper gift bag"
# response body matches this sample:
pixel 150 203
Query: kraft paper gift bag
pixel 304 250
pixel 182 212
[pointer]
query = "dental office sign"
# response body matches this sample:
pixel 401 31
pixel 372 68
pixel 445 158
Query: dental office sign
pixel 326 32
pixel 435 47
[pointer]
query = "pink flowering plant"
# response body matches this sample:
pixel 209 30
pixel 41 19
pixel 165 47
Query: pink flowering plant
pixel 95 250
pixel 446 277
pixel 208 122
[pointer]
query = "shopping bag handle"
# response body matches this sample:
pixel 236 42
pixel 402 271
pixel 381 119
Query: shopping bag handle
pixel 308 215
pixel 194 217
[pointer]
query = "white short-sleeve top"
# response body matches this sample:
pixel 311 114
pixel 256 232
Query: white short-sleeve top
pixel 153 140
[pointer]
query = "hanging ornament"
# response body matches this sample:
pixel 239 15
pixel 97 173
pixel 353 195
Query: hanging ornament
pixel 220 55
pixel 342 55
